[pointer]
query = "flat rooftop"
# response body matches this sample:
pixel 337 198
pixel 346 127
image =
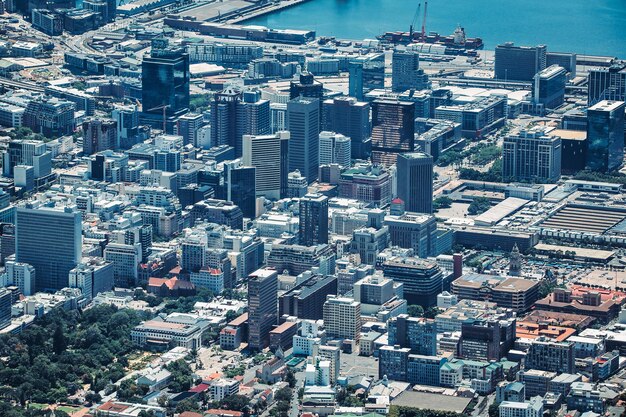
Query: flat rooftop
pixel 593 219
pixel 430 401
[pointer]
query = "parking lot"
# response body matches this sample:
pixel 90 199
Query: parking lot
pixel 353 364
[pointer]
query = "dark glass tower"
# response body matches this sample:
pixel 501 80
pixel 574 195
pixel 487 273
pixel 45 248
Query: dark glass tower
pixel 313 220
pixel 519 63
pixel 240 187
pixel 415 181
pixel 393 130
pixel 306 87
pixel 605 136
pixel 165 84
pixel 351 118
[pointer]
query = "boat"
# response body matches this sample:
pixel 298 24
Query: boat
pixel 457 41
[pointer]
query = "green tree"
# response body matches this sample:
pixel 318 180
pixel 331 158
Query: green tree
pixel 415 310
pixel 479 205
pixel 493 410
pixel 442 202
pixel 59 343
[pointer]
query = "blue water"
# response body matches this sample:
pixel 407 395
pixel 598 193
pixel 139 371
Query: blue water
pixel 584 26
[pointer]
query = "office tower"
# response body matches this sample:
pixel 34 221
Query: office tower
pixel 296 259
pixel 278 117
pixel 99 135
pixel 480 340
pixel 607 83
pixel 313 219
pixel 342 318
pixel 414 231
pixel 303 115
pixel 253 117
pixel 187 126
pixel 393 362
pixel 335 148
pixel 417 334
pixel 351 118
pixel 50 239
pixel 549 88
pixel 240 185
pixel 262 307
pixel 269 155
pixel 533 155
pixel 605 136
pixel 422 279
pixel 92 276
pixel 224 118
pixel 21 275
pixel 50 116
pixel 24 177
pixel 519 63
pixel 297 185
pixel 406 73
pixel 165 85
pixel 125 260
pixel 393 130
pixel 415 181
pixel 306 300
pixel 366 72
pixel 127 121
pixel 368 183
pixel 306 86
pixel 27 152
pixel 548 355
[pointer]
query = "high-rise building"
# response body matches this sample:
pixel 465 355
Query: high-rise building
pixel 335 148
pixel 548 355
pixel 303 115
pixel 531 155
pixel 367 72
pixel 306 300
pixel 165 85
pixel 268 154
pixel 306 86
pixel 92 276
pixel 351 118
pixel 393 130
pixel 50 239
pixel 187 126
pixel 549 88
pixel 393 362
pixel 342 318
pixel 127 120
pixel 5 308
pixel 414 231
pixel 605 136
pixel 422 279
pixel 417 334
pixel 224 118
pixel 406 73
pixel 313 219
pixel 607 83
pixel 262 307
pixel 27 152
pixel 50 116
pixel 519 63
pixel 125 259
pixel 415 181
pixel 240 185
pixel 99 135
pixel 486 339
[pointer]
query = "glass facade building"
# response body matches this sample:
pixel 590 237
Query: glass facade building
pixel 393 130
pixel 165 82
pixel 605 136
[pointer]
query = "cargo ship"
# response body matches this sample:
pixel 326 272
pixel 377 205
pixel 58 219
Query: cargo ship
pixel 458 41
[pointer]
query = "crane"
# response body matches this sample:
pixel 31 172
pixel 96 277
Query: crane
pixel 417 13
pixel 164 107
pixel 424 22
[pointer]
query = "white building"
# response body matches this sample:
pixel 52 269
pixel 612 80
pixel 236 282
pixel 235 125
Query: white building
pixel 342 318
pixel 335 148
pixel 532 408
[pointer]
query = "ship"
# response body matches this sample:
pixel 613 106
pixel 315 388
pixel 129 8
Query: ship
pixel 458 41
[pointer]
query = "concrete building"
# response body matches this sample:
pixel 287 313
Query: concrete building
pixel 269 156
pixel 262 307
pixel 415 182
pixel 531 155
pixel 342 318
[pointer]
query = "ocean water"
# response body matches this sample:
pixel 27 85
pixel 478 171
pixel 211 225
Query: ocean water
pixel 595 27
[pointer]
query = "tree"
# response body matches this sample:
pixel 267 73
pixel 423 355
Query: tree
pixel 493 410
pixel 92 397
pixel 290 378
pixel 415 310
pixel 479 205
pixel 187 405
pixel 442 202
pixel 59 344
pixel 235 402
pixel 284 394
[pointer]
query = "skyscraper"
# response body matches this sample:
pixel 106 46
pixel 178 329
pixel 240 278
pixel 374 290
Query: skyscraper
pixel 607 83
pixel 165 84
pixel 127 120
pixel 313 219
pixel 99 135
pixel 351 118
pixel 531 155
pixel 262 307
pixel 306 86
pixel 268 154
pixel 519 63
pixel 406 73
pixel 239 181
pixel 187 126
pixel 335 148
pixel 303 124
pixel 549 88
pixel 50 239
pixel 253 117
pixel 393 130
pixel 224 118
pixel 342 318
pixel 415 181
pixel 605 136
